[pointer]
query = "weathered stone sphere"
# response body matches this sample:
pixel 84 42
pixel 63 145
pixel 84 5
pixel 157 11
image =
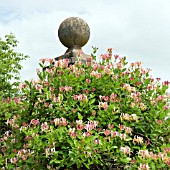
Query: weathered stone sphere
pixel 74 32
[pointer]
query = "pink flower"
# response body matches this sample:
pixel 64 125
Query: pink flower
pixel 46 83
pixel 63 121
pixel 14 160
pixel 113 97
pixel 114 134
pixel 138 139
pixel 60 121
pixel 166 107
pixel 38 87
pixel 46 104
pixel 107 132
pixel 116 56
pixel 106 56
pixel 105 98
pixel 143 167
pixel 97 141
pixel 79 125
pixel 166 83
pixel 49 70
pixel 122 127
pixel 56 121
pixel 43 60
pixel 65 88
pixel 95 74
pixel 88 80
pixel 72 132
pixel 122 136
pixel 80 97
pixel 86 134
pixel 44 126
pixel 103 105
pixel 88 127
pixel 89 58
pixel 35 122
pixel 22 86
pixel 110 126
pixel 125 150
pixel 128 130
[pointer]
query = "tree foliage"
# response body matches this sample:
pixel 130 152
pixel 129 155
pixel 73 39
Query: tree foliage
pixel 10 65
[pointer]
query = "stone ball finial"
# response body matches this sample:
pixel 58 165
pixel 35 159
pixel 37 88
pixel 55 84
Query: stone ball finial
pixel 74 32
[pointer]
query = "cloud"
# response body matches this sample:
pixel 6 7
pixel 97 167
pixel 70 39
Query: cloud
pixel 137 29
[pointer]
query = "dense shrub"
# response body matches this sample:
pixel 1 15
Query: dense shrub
pixel 88 116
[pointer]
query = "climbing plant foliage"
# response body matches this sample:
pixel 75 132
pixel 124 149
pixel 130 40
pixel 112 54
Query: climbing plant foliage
pixel 105 115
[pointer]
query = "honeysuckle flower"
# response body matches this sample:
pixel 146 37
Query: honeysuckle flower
pixel 44 126
pixel 88 127
pixel 24 157
pixel 88 80
pixel 128 130
pixel 138 139
pixel 86 134
pixel 65 88
pixel 142 106
pixel 166 107
pixel 125 150
pixel 49 70
pixel 35 122
pixel 165 83
pixel 116 56
pixel 43 60
pixel 122 127
pixel 132 105
pixel 144 153
pixel 119 65
pixel 56 121
pixel 166 150
pixel 125 116
pixel 134 117
pixel 63 121
pixel 46 104
pixel 107 132
pixel 60 121
pixel 113 97
pixel 22 152
pixel 162 155
pixel 80 97
pixel 22 86
pixel 95 74
pixel 14 160
pixel 95 123
pixel 114 134
pixel 103 105
pixel 122 136
pixel 61 63
pixel 72 132
pixel 46 83
pixel 97 141
pixel 89 58
pixel 110 126
pixel 38 87
pixel 105 98
pixel 143 167
pixel 52 89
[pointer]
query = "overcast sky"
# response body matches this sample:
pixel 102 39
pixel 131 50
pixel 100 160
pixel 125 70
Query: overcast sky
pixel 138 29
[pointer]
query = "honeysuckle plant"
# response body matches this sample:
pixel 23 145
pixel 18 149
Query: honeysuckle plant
pixel 89 115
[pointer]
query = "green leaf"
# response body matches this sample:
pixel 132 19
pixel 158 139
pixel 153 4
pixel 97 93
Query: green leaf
pixel 80 116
